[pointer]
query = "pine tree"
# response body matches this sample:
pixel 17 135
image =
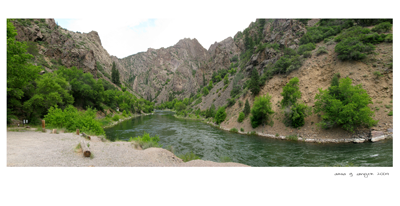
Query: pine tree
pixel 246 110
pixel 255 82
pixel 204 80
pixel 115 75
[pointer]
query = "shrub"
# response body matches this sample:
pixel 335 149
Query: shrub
pixel 348 109
pixel 389 38
pixel 261 111
pixel 226 81
pixel 234 130
pixel 382 27
pixel 231 102
pixel 307 54
pixel 221 115
pixel 241 117
pixel 294 112
pixel 146 141
pixel 390 113
pixel 253 133
pixel 292 137
pixel 73 119
pixel 377 74
pixel 321 50
pixel 353 49
pixel 306 47
pixel 241 129
pixel 205 91
pixel 115 117
pixel 188 157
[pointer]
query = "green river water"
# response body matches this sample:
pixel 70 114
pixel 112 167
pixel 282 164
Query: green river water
pixel 211 143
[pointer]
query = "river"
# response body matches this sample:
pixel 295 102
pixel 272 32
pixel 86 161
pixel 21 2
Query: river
pixel 212 144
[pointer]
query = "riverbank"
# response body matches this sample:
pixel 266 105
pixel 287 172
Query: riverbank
pixel 36 149
pixel 374 136
pixel 124 119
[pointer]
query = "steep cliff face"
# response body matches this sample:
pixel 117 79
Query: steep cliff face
pixel 158 73
pixel 57 44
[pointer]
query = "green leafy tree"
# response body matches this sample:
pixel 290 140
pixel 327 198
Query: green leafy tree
pixel 51 90
pixel 353 49
pixel 211 111
pixel 246 109
pixel 255 82
pixel 20 72
pixel 291 92
pixel 226 80
pixel 210 85
pixel 241 117
pixel 221 115
pixel 294 111
pixel 349 109
pixel 261 111
pixel 205 91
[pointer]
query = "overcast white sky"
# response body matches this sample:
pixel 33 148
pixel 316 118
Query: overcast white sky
pixel 130 36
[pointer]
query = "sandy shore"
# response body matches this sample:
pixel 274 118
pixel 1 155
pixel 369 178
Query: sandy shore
pixel 37 149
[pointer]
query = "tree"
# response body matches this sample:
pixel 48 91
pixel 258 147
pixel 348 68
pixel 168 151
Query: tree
pixel 20 72
pixel 115 75
pixel 291 92
pixel 205 91
pixel 255 82
pixel 226 80
pixel 261 111
pixel 246 109
pixel 241 117
pixel 51 90
pixel 294 111
pixel 349 109
pixel 210 85
pixel 211 111
pixel 221 115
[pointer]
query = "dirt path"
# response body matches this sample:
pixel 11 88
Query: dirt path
pixel 36 149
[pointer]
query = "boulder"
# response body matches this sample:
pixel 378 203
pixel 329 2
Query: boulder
pixel 358 140
pixel 377 136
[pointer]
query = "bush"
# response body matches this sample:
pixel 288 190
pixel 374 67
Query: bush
pixel 241 129
pixel 306 47
pixel 188 157
pixel 307 54
pixel 241 117
pixel 231 102
pixel 73 119
pixel 353 49
pixel 146 141
pixel 294 112
pixel 292 137
pixel 261 111
pixel 389 38
pixel 205 91
pixel 234 130
pixel 321 50
pixel 382 27
pixel 390 113
pixel 377 74
pixel 348 109
pixel 221 115
pixel 115 117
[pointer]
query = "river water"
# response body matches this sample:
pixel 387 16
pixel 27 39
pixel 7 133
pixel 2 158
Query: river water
pixel 211 143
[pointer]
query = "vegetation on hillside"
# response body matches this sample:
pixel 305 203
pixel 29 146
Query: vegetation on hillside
pixel 50 96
